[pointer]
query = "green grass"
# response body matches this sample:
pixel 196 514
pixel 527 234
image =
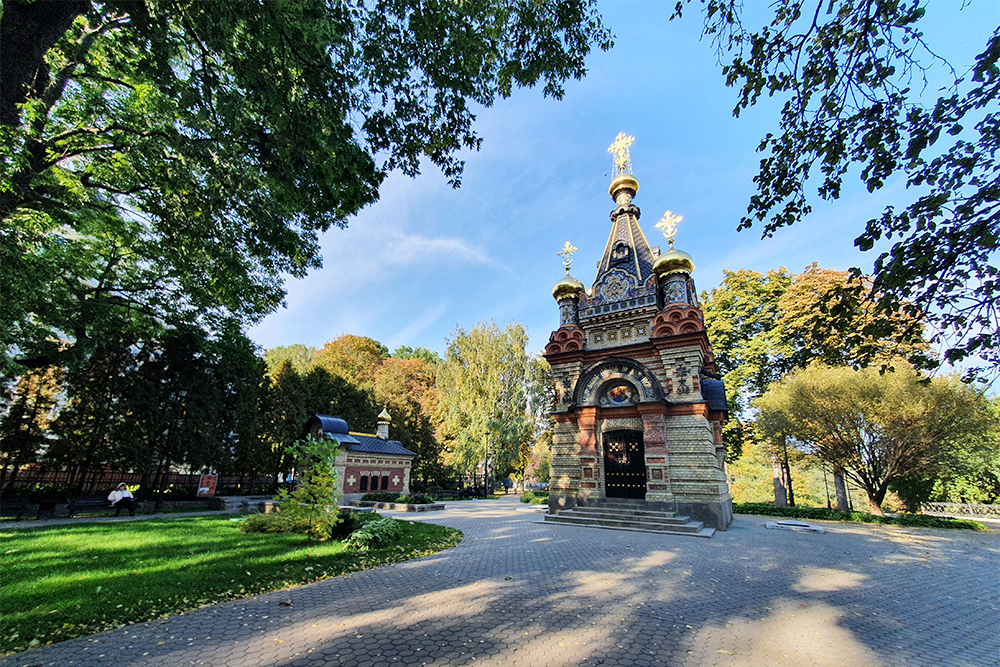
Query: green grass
pixel 824 514
pixel 68 581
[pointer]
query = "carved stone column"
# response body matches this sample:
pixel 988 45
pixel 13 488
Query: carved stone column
pixel 591 485
pixel 657 458
pixel 564 482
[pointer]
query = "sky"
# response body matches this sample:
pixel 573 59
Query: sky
pixel 427 258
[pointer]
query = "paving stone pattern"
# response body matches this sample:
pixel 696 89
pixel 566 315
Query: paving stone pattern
pixel 521 592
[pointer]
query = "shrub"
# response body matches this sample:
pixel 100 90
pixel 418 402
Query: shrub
pixel 315 496
pixel 823 513
pixel 527 496
pixel 415 499
pixel 374 534
pixel 40 491
pixel 381 497
pixel 273 523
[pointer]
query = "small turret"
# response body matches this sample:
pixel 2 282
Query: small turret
pixel 383 424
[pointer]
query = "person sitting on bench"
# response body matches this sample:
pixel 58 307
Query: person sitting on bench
pixel 122 498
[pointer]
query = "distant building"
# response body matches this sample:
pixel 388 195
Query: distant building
pixel 365 462
pixel 639 404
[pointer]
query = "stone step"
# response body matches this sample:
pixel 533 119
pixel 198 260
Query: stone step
pixel 689 528
pixel 682 523
pixel 614 512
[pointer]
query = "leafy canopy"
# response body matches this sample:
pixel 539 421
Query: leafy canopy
pixel 853 77
pixel 166 163
pixel 878 427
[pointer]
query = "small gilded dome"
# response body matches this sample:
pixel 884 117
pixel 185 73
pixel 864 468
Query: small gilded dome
pixel 625 182
pixel 568 286
pixel 673 261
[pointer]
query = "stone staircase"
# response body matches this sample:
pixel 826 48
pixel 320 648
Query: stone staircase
pixel 626 514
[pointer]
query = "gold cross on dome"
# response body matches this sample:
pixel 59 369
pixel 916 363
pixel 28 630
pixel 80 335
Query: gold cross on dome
pixel 619 149
pixel 567 254
pixel 668 225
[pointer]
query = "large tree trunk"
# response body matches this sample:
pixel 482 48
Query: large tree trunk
pixel 778 472
pixel 875 499
pixel 874 506
pixel 840 489
pixel 28 29
pixel 788 482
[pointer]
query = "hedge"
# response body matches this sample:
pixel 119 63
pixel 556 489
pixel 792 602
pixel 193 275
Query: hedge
pixel 824 514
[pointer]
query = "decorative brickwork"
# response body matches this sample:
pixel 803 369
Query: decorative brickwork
pixel 638 406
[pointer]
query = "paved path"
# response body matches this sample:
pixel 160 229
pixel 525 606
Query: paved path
pixel 520 592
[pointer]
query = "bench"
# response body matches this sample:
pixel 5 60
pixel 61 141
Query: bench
pixel 87 506
pixel 15 507
pixel 92 505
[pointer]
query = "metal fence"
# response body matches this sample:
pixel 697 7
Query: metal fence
pixel 966 509
pixel 100 481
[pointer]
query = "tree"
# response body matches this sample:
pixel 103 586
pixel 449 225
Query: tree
pixel 741 318
pixel 300 356
pixel 23 426
pixel 878 427
pixel 970 464
pixel 482 387
pixel 762 326
pixel 291 398
pixel 171 162
pixel 406 387
pixel 314 498
pixel 354 358
pixel 846 72
pixel 430 357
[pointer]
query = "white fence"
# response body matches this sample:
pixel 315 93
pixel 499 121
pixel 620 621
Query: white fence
pixel 965 509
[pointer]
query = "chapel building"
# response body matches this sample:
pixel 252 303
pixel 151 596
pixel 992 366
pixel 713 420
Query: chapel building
pixel 639 404
pixel 365 462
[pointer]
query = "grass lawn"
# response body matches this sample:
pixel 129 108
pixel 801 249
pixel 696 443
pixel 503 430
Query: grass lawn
pixel 62 582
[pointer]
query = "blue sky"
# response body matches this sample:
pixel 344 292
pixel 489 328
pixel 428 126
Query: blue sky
pixel 427 257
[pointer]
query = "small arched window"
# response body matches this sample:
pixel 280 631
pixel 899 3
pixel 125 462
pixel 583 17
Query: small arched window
pixel 364 483
pixel 385 482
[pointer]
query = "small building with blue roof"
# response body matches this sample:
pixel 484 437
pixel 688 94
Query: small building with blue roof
pixel 365 462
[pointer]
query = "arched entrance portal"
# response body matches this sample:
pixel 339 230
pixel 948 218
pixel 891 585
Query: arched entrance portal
pixel 624 464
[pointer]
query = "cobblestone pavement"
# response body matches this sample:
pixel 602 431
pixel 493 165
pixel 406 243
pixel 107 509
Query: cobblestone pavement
pixel 521 592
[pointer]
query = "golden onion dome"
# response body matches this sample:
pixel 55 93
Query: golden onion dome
pixel 623 182
pixel 568 286
pixel 673 261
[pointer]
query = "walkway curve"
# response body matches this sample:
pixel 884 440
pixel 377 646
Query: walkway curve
pixel 521 592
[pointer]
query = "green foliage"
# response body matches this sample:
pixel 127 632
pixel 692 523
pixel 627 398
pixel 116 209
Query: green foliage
pixel 111 575
pixel 430 357
pixel 274 522
pixel 535 497
pixel 171 163
pixel 381 497
pixel 314 498
pixel 846 72
pixel 414 499
pixel 764 326
pixel 298 355
pixel 821 513
pixel 403 498
pixel 483 387
pixel 879 427
pixel 375 534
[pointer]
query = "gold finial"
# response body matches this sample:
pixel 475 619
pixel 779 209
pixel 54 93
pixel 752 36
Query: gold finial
pixel 668 225
pixel 567 254
pixel 622 159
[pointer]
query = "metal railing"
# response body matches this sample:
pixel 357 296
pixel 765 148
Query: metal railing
pixel 964 509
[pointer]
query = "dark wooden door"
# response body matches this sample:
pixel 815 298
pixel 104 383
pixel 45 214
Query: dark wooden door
pixel 624 465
